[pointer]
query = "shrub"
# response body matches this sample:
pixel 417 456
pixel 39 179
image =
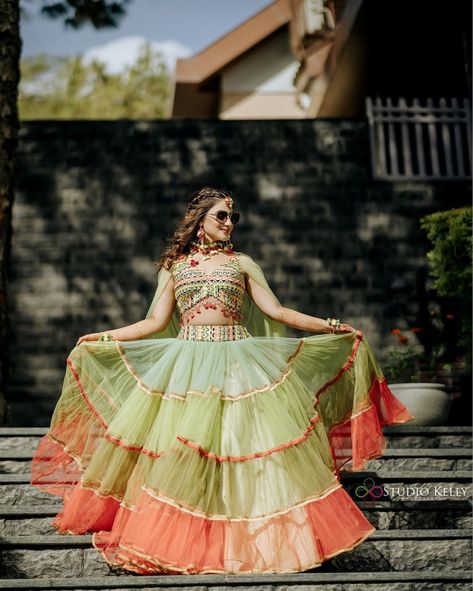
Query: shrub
pixel 450 262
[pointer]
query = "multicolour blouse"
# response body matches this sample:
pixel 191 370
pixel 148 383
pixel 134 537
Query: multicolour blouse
pixel 221 289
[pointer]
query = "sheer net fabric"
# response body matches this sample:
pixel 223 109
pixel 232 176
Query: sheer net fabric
pixel 188 456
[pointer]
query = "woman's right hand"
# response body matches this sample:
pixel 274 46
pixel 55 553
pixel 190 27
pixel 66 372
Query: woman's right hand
pixel 344 328
pixel 93 336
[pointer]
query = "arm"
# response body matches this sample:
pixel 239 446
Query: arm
pixel 272 308
pixel 160 317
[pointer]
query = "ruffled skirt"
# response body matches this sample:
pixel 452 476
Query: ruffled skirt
pixel 202 454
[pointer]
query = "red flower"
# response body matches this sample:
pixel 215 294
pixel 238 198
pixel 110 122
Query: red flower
pixel 396 331
pixel 449 316
pixel 403 339
pixel 194 262
pixel 417 329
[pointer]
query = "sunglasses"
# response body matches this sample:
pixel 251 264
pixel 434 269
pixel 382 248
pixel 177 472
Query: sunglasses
pixel 222 216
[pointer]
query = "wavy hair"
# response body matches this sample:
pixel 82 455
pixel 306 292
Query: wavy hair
pixel 186 231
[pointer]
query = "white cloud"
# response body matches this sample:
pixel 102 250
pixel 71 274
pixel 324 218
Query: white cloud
pixel 123 52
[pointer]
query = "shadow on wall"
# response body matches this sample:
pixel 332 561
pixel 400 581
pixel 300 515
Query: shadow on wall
pixel 96 202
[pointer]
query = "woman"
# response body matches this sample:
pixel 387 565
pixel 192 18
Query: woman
pixel 203 440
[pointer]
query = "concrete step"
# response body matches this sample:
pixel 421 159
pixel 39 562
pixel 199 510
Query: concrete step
pixel 384 515
pixel 73 556
pixel 309 581
pixel 397 436
pixel 19 461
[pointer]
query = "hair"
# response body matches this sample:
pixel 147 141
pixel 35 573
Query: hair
pixel 186 231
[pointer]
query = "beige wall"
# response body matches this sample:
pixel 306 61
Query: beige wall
pixel 260 106
pixel 259 85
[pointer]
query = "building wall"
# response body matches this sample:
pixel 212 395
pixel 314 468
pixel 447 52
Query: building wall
pixel 96 202
pixel 260 85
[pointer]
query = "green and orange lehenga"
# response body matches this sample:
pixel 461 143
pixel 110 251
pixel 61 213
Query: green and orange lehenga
pixel 216 449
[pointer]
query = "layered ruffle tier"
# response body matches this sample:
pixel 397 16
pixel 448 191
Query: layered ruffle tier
pixel 216 457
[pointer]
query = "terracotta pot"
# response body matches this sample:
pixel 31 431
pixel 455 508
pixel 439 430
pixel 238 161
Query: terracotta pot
pixel 429 403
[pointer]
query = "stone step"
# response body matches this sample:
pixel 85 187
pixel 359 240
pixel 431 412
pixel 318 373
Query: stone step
pixel 73 556
pixel 36 519
pixel 401 485
pixel 425 474
pixel 418 436
pixel 19 461
pixel 381 475
pixel 430 459
pixel 309 581
pixel 397 436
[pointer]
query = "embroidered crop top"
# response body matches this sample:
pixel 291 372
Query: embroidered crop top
pixel 196 290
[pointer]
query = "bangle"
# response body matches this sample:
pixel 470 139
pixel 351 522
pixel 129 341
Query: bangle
pixel 334 323
pixel 106 336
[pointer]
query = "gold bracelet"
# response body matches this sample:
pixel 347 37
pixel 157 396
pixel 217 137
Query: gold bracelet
pixel 334 323
pixel 106 336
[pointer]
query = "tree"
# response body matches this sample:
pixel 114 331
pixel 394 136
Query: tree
pixel 67 88
pixel 74 13
pixel 10 49
pixel 77 13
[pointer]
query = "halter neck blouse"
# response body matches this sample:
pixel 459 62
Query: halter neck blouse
pixel 221 289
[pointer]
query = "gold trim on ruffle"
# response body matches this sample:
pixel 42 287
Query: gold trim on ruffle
pixel 350 414
pixel 100 389
pixel 362 410
pixel 135 448
pixel 75 457
pixel 164 567
pixel 212 388
pixel 347 366
pixel 255 455
pixel 186 508
pixel 81 482
pixel 89 485
pixel 93 485
pixel 342 371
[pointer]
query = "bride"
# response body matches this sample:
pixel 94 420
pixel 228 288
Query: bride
pixel 202 439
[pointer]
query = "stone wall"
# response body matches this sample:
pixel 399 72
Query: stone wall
pixel 96 201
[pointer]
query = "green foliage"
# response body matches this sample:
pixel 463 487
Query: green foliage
pixel 401 364
pixel 451 263
pixel 67 88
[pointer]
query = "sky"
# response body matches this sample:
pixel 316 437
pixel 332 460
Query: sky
pixel 178 28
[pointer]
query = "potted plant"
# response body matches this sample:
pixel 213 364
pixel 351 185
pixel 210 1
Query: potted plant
pixel 412 379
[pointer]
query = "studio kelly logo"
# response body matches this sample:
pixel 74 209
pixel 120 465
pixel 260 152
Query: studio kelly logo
pixel 369 490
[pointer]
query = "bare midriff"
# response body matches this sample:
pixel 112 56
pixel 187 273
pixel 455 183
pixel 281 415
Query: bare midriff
pixel 210 318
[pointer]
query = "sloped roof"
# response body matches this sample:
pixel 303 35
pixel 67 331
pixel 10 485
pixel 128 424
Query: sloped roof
pixel 217 55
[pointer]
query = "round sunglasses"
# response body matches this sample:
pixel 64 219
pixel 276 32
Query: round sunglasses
pixel 222 216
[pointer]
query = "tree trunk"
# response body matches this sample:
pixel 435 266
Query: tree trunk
pixel 10 50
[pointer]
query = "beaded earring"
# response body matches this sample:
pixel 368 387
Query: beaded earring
pixel 200 235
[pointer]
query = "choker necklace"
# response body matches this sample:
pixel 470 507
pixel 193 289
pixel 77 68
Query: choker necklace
pixel 208 250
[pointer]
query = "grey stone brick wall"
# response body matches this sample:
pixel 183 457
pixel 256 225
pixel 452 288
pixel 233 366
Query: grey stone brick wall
pixel 96 201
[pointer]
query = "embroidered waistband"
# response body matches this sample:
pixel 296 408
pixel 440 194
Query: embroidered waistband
pixel 213 332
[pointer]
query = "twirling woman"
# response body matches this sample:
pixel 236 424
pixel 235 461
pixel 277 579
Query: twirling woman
pixel 201 439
